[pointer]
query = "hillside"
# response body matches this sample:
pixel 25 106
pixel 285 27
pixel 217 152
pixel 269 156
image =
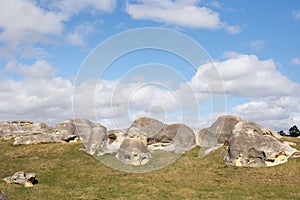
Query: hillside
pixel 65 172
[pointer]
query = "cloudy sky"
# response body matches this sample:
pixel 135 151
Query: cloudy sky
pixel 251 61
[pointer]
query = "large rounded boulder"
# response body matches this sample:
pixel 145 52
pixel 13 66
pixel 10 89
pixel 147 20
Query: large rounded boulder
pixel 250 147
pixel 133 151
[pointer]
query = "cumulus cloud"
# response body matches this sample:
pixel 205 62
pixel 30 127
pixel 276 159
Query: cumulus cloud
pixel 69 8
pixel 37 94
pixel 26 23
pixel 278 113
pixel 244 76
pixel 39 70
pixel 296 15
pixel 77 36
pixel 295 61
pixel 257 45
pixel 180 13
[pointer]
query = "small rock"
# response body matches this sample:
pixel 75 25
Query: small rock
pixel 28 180
pixel 2 196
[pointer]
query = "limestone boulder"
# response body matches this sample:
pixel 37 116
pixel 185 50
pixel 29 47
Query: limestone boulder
pixel 55 137
pixel 270 132
pixel 12 129
pixel 66 127
pixel 250 147
pixel 2 196
pixel 21 178
pixel 133 151
pixel 178 138
pixel 147 126
pixel 220 131
pixel 114 140
pixel 92 134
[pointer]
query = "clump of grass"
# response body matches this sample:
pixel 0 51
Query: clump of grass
pixel 64 172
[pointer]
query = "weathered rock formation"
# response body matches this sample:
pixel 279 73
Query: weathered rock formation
pixel 178 138
pixel 249 146
pixel 12 129
pixel 248 143
pixel 27 180
pixel 147 126
pixel 92 134
pixel 2 196
pixel 133 151
pixel 218 133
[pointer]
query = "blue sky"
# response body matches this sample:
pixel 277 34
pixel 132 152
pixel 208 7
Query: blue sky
pixel 254 45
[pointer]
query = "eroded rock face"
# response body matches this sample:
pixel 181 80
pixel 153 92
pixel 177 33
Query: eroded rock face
pixel 12 129
pixel 114 140
pixel 178 138
pixel 133 151
pixel 55 137
pixel 2 196
pixel 220 131
pixel 148 126
pixel 250 147
pixel 27 180
pixel 92 134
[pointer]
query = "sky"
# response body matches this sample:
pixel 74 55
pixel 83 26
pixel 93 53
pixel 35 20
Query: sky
pixel 249 61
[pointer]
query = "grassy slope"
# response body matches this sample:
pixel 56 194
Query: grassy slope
pixel 64 172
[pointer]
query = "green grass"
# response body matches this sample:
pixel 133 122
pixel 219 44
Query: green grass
pixel 64 172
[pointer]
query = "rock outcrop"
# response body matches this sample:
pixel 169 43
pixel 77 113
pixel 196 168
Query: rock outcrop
pixel 2 196
pixel 55 137
pixel 133 151
pixel 148 126
pixel 218 133
pixel 178 138
pixel 27 180
pixel 249 146
pixel 12 129
pixel 92 134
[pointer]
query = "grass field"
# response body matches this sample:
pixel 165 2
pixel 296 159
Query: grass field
pixel 64 172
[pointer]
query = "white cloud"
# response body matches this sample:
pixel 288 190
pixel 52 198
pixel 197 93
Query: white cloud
pixel 37 95
pixel 37 71
pixel 28 22
pixel 70 8
pixel 296 15
pixel 295 61
pixel 244 76
pixel 257 45
pixel 23 21
pixel 230 54
pixel 278 113
pixel 77 37
pixel 179 13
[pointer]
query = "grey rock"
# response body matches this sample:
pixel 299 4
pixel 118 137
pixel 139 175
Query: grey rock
pixel 92 134
pixel 178 138
pixel 55 137
pixel 114 140
pixel 13 129
pixel 147 126
pixel 251 148
pixel 133 151
pixel 2 196
pixel 220 131
pixel 66 127
pixel 27 180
